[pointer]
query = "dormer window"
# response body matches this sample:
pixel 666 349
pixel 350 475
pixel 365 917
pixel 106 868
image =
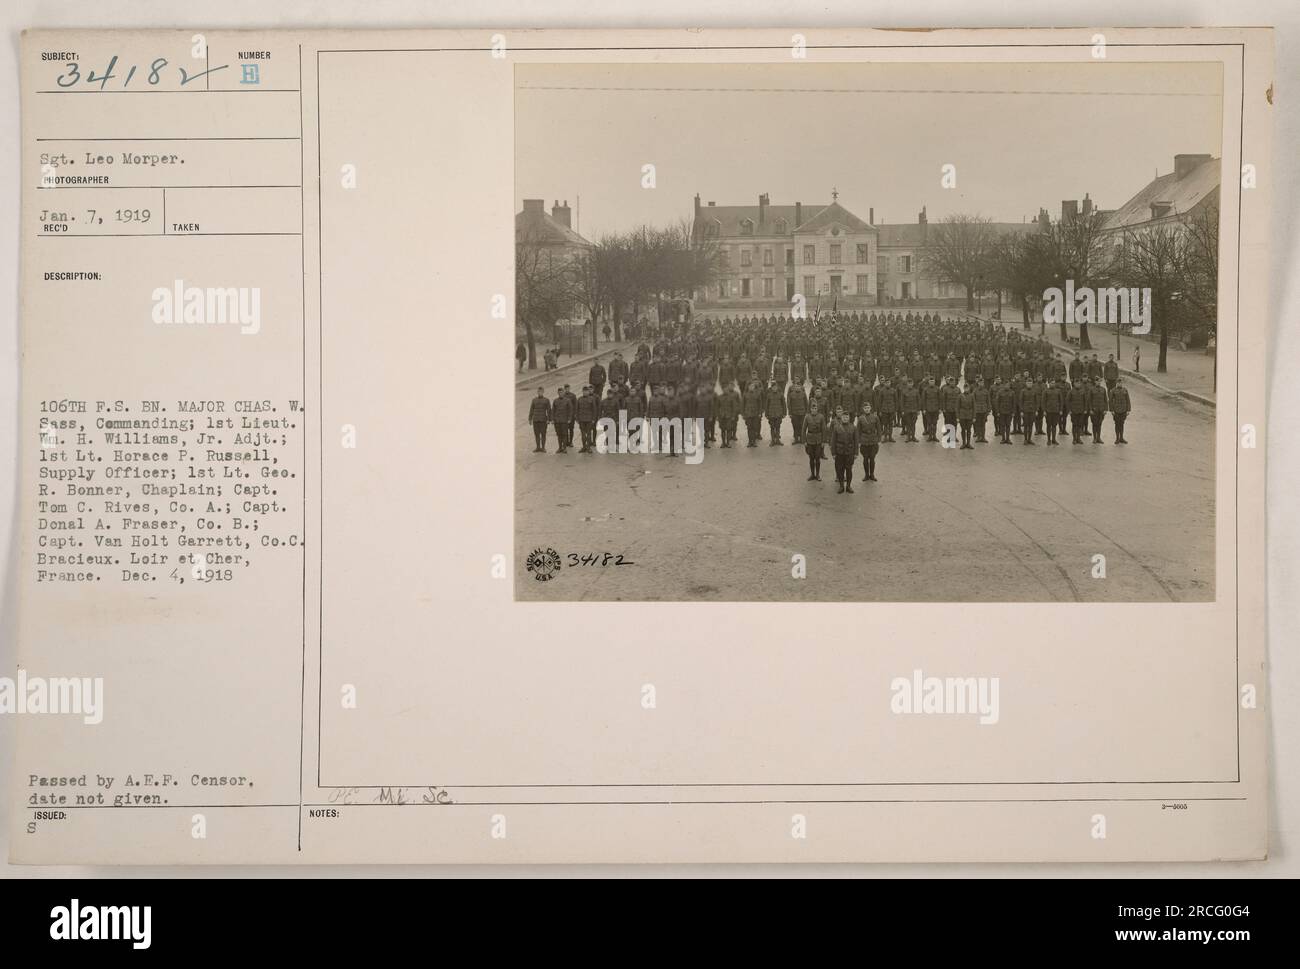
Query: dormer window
pixel 1161 209
pixel 747 227
pixel 782 227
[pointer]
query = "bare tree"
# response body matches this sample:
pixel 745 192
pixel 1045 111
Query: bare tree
pixel 545 286
pixel 1153 257
pixel 957 251
pixel 1021 265
pixel 1080 251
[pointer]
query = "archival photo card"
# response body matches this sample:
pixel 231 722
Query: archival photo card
pixel 867 332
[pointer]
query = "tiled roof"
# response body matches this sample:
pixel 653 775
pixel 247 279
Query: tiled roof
pixel 912 234
pixel 540 228
pixel 1182 195
pixel 730 217
pixel 832 214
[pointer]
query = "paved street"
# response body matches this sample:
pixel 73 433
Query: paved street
pixel 1000 523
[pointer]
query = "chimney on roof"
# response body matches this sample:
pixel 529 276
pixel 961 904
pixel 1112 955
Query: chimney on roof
pixel 920 217
pixel 697 205
pixel 537 206
pixel 1184 165
pixel 1087 205
pixel 763 201
pixel 1069 210
pixel 561 214
pixel 713 203
pixel 798 214
pixel 871 216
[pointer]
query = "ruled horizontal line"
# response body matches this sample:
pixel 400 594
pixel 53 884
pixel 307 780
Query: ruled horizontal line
pixel 190 138
pixel 197 90
pixel 154 235
pixel 178 187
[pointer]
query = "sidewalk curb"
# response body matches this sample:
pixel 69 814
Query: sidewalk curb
pixel 608 350
pixel 1137 375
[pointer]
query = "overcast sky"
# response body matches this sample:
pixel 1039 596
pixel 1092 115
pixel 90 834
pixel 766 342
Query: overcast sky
pixel 1020 135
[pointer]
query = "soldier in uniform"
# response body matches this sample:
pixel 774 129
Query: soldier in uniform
pixel 728 409
pixel 562 417
pixel 930 408
pixel 618 370
pixel 844 448
pixel 774 408
pixel 1075 370
pixel 964 411
pixel 868 440
pixel 948 397
pixel 1097 405
pixel 539 413
pixel 704 410
pixel 909 402
pixel 596 377
pixel 983 404
pixel 1031 399
pixel 1079 401
pixel 752 410
pixel 1006 405
pixel 1052 404
pixel 609 407
pixel 1120 405
pixel 797 405
pixel 814 428
pixel 886 399
pixel 573 416
pixel 1111 372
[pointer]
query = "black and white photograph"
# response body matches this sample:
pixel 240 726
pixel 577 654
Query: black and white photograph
pixel 867 332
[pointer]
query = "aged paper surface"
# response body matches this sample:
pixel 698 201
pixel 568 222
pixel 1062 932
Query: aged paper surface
pixel 282 558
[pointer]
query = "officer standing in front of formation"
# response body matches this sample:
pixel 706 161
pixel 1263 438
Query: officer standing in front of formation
pixel 844 448
pixel 1120 405
pixel 797 404
pixel 1052 404
pixel 868 440
pixel 562 417
pixel 774 407
pixel 814 428
pixel 539 413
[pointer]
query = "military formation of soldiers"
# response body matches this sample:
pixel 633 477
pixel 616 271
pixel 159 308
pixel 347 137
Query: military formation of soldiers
pixel 848 382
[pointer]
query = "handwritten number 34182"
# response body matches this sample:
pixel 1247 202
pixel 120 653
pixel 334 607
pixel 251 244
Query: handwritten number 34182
pixel 73 76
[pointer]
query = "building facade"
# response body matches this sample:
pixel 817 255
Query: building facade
pixel 769 254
